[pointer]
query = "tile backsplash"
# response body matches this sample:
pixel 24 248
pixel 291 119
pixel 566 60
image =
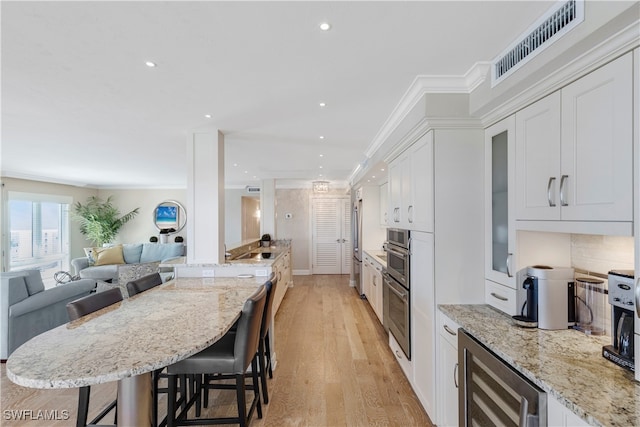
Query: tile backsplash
pixel 600 254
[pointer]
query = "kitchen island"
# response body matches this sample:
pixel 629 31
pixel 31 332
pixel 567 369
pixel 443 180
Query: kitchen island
pixel 566 364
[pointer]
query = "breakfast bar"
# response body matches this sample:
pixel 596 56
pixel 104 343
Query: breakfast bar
pixel 127 341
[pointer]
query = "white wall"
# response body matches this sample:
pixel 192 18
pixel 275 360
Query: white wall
pixel 142 227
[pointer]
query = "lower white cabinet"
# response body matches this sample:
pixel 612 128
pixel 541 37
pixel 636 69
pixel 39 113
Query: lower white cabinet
pixel 447 372
pixel 559 415
pixel 372 283
pixel 405 364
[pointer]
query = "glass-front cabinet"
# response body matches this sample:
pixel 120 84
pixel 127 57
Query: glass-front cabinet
pixel 499 203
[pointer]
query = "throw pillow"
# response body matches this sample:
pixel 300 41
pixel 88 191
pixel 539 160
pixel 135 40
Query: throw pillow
pixel 106 256
pixel 33 279
pixel 89 253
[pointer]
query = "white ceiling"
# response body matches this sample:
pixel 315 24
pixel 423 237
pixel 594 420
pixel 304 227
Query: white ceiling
pixel 80 106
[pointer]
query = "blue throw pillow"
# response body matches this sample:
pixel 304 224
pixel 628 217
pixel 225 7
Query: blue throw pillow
pixel 160 251
pixel 132 252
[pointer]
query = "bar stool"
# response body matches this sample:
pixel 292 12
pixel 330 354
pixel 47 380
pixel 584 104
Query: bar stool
pixel 135 287
pixel 144 283
pixel 264 346
pixel 75 310
pixel 231 355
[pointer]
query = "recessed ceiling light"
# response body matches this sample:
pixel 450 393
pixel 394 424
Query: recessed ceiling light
pixel 325 26
pixel 208 116
pixel 319 174
pixel 150 64
pixel 321 137
pixel 320 167
pixel 323 104
pixel 246 171
pixel 382 170
pixel 321 155
pixel 373 177
pixel 235 164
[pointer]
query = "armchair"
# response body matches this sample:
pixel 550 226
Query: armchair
pixel 27 309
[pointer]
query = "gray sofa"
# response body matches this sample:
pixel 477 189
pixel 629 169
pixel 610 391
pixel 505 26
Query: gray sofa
pixel 27 309
pixel 133 253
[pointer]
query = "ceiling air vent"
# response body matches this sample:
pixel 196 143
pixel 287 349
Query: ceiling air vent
pixel 251 189
pixel 543 33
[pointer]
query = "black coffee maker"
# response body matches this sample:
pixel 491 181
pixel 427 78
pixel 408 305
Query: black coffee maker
pixel 621 299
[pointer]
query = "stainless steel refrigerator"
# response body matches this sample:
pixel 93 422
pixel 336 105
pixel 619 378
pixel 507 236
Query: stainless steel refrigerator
pixel 356 225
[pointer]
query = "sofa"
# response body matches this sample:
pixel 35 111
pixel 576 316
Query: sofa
pixel 102 263
pixel 27 309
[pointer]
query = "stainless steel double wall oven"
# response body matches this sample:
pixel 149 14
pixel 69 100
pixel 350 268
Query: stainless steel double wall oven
pixel 397 287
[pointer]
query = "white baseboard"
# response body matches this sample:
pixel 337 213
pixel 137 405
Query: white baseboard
pixel 302 272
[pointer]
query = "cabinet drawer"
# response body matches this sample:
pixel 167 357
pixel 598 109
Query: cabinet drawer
pixel 500 297
pixel 405 364
pixel 448 329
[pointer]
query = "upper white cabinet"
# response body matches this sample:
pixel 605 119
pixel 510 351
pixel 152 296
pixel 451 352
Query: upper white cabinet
pixel 500 236
pixel 411 187
pixel 384 204
pixel 574 150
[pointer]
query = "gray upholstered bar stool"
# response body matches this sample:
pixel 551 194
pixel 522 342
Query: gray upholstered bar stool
pixel 135 287
pixel 75 310
pixel 231 355
pixel 144 283
pixel 264 346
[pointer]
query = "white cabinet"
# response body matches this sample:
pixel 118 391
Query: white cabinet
pixel 411 187
pixel 447 372
pixel 574 150
pixel 422 311
pixel 559 415
pixel 405 364
pixel 372 283
pixel 500 235
pixel 384 204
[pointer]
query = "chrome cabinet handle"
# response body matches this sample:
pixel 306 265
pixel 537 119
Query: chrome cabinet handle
pixel 410 214
pixel 563 179
pixel 551 203
pixel 449 330
pixel 455 375
pixel 409 246
pixel 509 255
pixel 638 296
pixel 398 355
pixel 500 297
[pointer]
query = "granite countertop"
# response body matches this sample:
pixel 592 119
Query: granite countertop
pixel 149 331
pixel 566 364
pixel 375 254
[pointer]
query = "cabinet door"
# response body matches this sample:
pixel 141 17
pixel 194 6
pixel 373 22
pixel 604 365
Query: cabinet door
pixel 384 204
pixel 448 371
pixel 420 206
pixel 597 145
pixel 499 202
pixel 377 290
pixel 395 193
pixel 366 278
pixel 422 309
pixel 405 190
pixel 538 160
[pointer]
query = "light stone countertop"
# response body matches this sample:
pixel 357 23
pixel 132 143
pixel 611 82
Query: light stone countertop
pixel 149 331
pixel 375 254
pixel 566 364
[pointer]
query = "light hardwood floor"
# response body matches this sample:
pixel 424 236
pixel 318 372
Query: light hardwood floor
pixel 334 369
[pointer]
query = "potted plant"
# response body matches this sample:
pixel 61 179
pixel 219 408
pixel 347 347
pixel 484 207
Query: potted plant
pixel 100 220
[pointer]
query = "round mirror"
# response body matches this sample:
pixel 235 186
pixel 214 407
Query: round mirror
pixel 169 217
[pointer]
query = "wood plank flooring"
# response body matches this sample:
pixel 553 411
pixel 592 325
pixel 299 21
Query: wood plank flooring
pixel 334 369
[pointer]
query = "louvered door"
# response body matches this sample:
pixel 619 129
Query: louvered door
pixel 331 224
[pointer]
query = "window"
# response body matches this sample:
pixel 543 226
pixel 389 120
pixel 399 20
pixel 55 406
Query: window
pixel 39 233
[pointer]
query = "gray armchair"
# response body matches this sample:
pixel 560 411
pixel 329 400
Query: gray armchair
pixel 27 309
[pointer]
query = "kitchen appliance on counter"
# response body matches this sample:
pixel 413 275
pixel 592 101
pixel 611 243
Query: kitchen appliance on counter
pixel 397 287
pixel 493 393
pixel 621 299
pixel 547 296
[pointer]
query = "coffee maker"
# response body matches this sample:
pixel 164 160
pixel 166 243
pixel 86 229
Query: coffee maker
pixel 547 297
pixel 621 299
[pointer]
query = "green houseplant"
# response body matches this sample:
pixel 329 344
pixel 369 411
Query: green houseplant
pixel 100 220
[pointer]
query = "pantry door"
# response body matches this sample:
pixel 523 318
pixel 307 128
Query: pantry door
pixel 331 235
